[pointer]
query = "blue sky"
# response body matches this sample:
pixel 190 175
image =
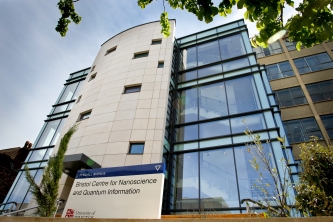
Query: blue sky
pixel 35 60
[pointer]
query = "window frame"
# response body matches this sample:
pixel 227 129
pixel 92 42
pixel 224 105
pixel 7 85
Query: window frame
pixel 322 93
pixel 280 72
pixel 292 98
pixel 92 77
pixel 160 64
pixel 126 88
pixel 139 55
pixel 83 115
pixel 136 143
pixel 110 50
pixel 156 41
pixel 312 68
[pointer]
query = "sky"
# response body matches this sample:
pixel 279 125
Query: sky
pixel 35 60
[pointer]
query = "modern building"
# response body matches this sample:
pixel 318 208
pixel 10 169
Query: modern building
pixel 149 99
pixel 303 85
pixel 45 142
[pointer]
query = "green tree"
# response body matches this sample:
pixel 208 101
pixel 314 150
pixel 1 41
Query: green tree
pixel 315 190
pixel 46 193
pixel 313 23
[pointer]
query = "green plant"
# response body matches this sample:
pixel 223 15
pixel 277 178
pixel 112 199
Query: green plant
pixel 315 190
pixel 272 185
pixel 46 193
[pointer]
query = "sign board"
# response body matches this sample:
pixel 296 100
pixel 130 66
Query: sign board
pixel 133 192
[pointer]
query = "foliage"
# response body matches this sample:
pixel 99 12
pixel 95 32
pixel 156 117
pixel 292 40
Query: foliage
pixel 315 191
pixel 67 11
pixel 46 193
pixel 272 187
pixel 313 23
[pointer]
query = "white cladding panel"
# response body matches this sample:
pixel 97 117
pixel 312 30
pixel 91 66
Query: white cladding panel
pixel 117 119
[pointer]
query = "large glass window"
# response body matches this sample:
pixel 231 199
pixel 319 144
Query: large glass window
pixel 186 188
pixel 208 179
pixel 313 63
pixel 218 187
pixel 208 53
pixel 279 70
pixel 232 46
pixel 274 48
pixel 328 123
pixel 290 97
pixel 321 91
pixel 50 133
pixel 301 130
pixel 68 94
pixel 251 182
pixel 218 99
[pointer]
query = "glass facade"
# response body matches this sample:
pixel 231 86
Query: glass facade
pixel 219 91
pixel 44 144
pixel 328 123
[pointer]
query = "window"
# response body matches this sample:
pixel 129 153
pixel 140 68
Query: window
pixel 313 63
pixel 218 99
pixel 279 70
pixel 132 89
pixel 274 48
pixel 78 99
pixel 93 68
pixel 301 130
pixel 290 97
pixel 321 91
pixel 93 76
pixel 140 55
pixel 156 41
pixel 85 115
pixel 136 148
pixel 111 50
pixel 291 45
pixel 160 64
pixel 328 123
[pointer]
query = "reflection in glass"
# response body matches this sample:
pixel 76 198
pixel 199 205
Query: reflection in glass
pixel 190 57
pixel 21 190
pixel 248 176
pixel 186 193
pixel 211 70
pixel 236 64
pixel 241 95
pixel 37 178
pixel 48 154
pixel 48 133
pixel 253 122
pixel 218 188
pixel 215 128
pixel 37 155
pixel 187 133
pixel 68 93
pixel 57 134
pixel 188 106
pixel 208 53
pixel 189 76
pixel 232 46
pixel 61 108
pixel 212 101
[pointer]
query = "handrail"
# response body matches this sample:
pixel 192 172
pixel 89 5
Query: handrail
pixel 9 203
pixel 14 212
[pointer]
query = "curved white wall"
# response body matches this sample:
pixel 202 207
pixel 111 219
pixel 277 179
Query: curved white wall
pixel 118 119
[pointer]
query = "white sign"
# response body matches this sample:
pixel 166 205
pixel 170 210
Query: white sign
pixel 110 196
